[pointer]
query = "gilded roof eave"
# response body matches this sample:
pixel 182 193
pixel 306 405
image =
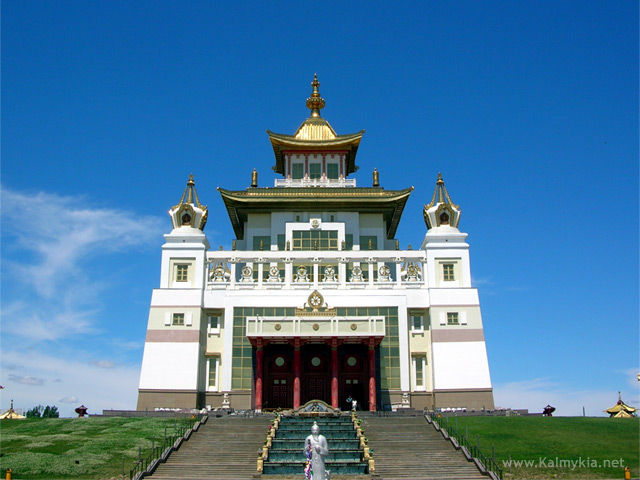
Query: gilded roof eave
pixel 282 142
pixel 365 200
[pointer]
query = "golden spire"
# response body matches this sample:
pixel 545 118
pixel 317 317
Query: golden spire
pixel 441 210
pixel 441 194
pixel 190 195
pixel 315 102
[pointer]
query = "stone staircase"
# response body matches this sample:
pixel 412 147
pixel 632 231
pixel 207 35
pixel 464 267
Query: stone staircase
pixel 404 447
pixel 224 448
pixel 286 455
pixel 408 447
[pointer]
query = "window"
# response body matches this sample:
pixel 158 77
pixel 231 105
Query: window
pixel 281 241
pixel 348 241
pixel 315 240
pixel 182 272
pixel 315 170
pixel 418 363
pixel 447 270
pixel 368 242
pixel 332 170
pixel 417 322
pixel 213 373
pixel 262 243
pixel 297 170
pixel 452 318
pixel 214 324
pixel 178 319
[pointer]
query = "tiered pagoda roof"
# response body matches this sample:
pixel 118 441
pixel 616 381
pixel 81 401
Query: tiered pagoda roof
pixel 315 134
pixel 621 409
pixel 364 200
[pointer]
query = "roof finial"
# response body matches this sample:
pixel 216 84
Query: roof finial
pixel 315 102
pixel 190 195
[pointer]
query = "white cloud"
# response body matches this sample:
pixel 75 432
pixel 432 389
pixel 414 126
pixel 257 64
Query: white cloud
pixel 102 363
pixel 100 388
pixel 54 237
pixel 69 399
pixel 536 393
pixel 26 380
pixel 51 246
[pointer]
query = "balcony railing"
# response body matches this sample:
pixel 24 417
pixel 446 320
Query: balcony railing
pixel 313 326
pixel 304 269
pixel 315 182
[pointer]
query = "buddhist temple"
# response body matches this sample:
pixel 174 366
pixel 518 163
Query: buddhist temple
pixel 316 299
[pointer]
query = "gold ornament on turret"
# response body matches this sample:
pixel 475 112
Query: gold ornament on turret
pixel 315 102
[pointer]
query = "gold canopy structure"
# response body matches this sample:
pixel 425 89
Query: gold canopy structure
pixel 621 409
pixel 11 414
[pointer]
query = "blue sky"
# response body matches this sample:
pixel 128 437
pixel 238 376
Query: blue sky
pixel 529 109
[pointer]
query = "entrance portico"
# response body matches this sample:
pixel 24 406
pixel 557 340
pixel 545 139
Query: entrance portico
pixel 290 372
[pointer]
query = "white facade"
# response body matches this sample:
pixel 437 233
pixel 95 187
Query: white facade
pixel 219 318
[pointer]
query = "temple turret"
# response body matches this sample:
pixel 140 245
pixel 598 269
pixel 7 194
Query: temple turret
pixel 189 212
pixel 441 211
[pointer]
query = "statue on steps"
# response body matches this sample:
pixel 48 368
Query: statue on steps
pixel 315 448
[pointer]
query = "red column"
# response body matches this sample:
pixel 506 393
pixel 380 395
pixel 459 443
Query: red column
pixel 372 377
pixel 334 372
pixel 259 362
pixel 296 373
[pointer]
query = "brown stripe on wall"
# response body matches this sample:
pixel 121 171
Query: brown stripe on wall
pixel 455 335
pixel 173 335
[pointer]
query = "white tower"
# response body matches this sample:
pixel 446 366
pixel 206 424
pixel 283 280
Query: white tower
pixel 460 365
pixel 172 363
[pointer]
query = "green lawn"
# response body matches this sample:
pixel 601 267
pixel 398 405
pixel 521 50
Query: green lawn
pixel 565 438
pixel 49 448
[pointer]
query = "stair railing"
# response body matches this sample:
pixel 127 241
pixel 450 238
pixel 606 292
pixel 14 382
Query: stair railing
pixel 160 450
pixel 463 440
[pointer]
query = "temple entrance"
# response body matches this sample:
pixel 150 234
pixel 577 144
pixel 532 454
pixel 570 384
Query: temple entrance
pixel 278 376
pixel 353 376
pixel 288 375
pixel 316 373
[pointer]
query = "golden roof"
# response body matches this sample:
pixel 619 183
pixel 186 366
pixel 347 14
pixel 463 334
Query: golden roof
pixel 11 414
pixel 354 199
pixel 621 409
pixel 315 134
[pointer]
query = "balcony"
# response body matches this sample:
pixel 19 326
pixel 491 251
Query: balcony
pixel 313 326
pixel 346 269
pixel 315 182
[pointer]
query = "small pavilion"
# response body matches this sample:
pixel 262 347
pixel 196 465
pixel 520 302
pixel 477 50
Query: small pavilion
pixel 621 409
pixel 11 414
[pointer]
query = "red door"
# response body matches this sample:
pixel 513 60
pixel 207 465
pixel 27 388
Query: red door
pixel 353 374
pixel 316 373
pixel 278 377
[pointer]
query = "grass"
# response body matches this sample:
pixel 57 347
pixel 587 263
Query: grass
pixel 39 449
pixel 79 448
pixel 592 440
